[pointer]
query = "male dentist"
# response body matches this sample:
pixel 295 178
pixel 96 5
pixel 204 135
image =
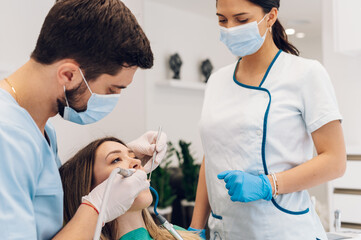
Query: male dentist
pixel 86 53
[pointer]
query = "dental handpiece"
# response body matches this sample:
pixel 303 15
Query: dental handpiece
pixel 169 227
pixel 126 172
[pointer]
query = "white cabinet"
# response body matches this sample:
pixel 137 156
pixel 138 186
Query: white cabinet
pixel 349 205
pixel 347 30
pixel 345 195
pixel 352 177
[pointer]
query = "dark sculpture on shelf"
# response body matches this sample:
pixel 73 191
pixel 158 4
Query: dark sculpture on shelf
pixel 206 69
pixel 175 63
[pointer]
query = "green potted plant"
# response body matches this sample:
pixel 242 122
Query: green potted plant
pixel 160 180
pixel 190 172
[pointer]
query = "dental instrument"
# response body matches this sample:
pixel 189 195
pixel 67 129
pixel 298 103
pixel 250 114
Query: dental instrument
pixel 162 220
pixel 155 151
pixel 125 173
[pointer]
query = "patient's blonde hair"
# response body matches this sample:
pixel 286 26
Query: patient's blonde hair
pixel 77 178
pixel 160 233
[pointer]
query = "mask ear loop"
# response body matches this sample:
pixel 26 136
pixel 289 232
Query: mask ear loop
pixel 270 28
pixel 66 99
pixel 263 19
pixel 82 75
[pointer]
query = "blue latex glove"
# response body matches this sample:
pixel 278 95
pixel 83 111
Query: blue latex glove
pixel 201 232
pixel 245 187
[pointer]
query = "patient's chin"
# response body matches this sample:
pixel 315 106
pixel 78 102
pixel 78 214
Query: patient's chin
pixel 143 200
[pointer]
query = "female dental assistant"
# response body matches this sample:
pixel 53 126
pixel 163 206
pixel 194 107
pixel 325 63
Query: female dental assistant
pixel 261 118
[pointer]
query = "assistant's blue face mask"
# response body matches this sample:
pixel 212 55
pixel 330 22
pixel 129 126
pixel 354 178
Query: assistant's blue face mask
pixel 243 40
pixel 98 107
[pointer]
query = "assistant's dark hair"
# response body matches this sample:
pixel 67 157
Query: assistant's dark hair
pixel 101 35
pixel 278 32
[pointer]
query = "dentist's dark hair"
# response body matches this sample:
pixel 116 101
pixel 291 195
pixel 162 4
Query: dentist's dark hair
pixel 102 36
pixel 278 32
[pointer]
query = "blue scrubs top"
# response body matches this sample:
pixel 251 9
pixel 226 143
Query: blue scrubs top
pixel 31 194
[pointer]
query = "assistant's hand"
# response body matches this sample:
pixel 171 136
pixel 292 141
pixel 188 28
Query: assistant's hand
pixel 200 232
pixel 245 187
pixel 122 194
pixel 144 147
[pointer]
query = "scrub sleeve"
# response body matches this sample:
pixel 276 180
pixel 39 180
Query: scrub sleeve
pixel 319 99
pixel 31 194
pixel 18 179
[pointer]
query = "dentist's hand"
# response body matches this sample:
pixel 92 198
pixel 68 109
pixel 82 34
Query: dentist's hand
pixel 122 194
pixel 144 147
pixel 245 187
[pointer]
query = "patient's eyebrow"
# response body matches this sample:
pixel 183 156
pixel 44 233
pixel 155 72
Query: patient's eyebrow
pixel 115 151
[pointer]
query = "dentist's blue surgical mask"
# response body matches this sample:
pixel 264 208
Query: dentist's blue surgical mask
pixel 98 107
pixel 243 40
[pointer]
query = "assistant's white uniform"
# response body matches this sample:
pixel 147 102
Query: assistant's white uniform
pixel 261 130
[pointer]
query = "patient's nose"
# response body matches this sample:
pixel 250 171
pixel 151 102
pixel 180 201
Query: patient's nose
pixel 135 163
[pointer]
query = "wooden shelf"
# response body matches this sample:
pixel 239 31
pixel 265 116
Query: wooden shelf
pixel 183 84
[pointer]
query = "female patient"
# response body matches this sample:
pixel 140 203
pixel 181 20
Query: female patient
pixel 91 166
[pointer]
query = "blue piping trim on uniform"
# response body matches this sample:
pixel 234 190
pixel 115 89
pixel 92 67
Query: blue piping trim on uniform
pixel 264 160
pixel 288 211
pixel 265 127
pixel 264 138
pixel 216 216
pixel 269 67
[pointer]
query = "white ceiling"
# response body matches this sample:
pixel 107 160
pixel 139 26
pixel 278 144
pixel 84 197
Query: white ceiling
pixel 303 15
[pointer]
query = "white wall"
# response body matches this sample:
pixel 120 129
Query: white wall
pixel 345 72
pixel 195 37
pixel 20 24
pixel 309 47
